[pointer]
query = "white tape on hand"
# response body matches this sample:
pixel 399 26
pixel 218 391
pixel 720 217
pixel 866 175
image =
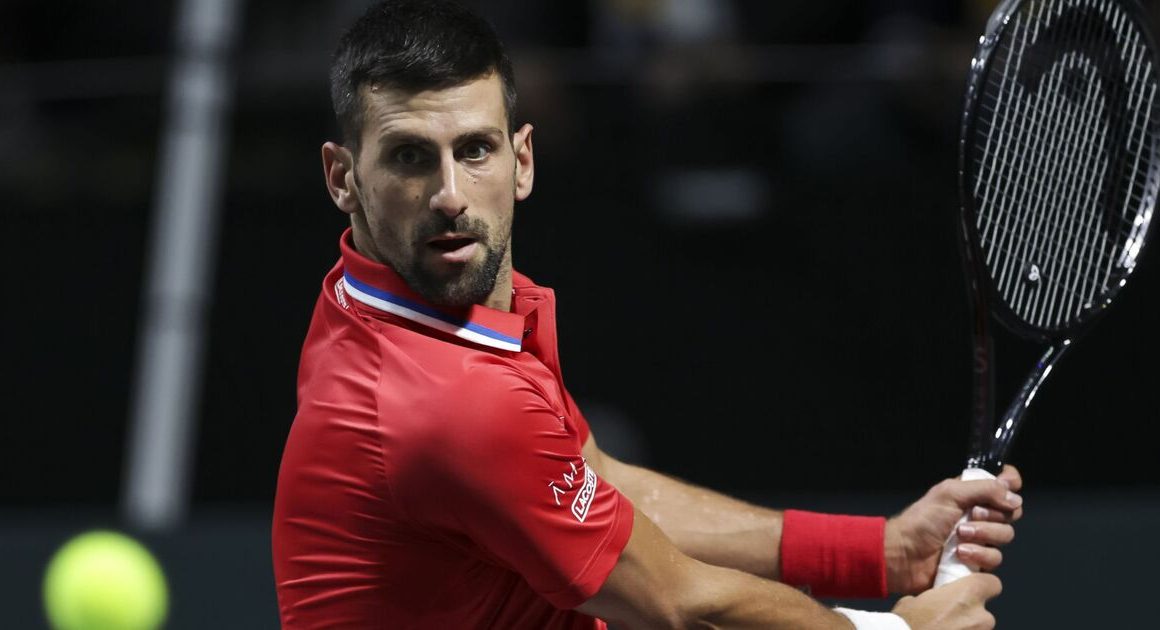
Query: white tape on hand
pixel 950 568
pixel 866 620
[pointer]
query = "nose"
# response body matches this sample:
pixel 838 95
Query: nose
pixel 449 198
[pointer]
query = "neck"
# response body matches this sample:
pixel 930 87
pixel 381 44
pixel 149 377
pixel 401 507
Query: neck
pixel 501 295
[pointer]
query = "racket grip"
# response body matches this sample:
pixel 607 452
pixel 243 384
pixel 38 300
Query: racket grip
pixel 950 568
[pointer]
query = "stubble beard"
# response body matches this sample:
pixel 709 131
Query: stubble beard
pixel 471 284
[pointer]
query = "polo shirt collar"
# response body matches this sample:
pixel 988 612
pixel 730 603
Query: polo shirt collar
pixel 380 288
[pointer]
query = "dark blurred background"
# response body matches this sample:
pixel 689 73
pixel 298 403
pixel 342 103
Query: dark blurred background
pixel 747 209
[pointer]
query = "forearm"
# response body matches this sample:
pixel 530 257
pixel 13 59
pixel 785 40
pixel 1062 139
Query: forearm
pixel 836 556
pixel 703 524
pixel 655 585
pixel 740 600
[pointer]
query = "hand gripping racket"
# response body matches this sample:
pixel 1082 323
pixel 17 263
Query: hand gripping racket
pixel 1058 179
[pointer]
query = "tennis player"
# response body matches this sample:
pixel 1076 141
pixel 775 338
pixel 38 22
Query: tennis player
pixel 439 475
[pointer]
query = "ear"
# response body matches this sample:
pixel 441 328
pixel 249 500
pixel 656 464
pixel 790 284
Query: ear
pixel 525 164
pixel 338 168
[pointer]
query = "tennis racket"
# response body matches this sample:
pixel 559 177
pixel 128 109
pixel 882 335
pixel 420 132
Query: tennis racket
pixel 1058 177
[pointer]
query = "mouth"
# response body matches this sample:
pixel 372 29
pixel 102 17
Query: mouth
pixel 455 248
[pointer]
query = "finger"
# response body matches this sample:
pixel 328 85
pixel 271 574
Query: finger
pixel 986 558
pixel 983 585
pixel 1011 475
pixel 989 493
pixel 980 513
pixel 985 533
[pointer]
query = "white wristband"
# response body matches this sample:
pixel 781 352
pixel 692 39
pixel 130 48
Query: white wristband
pixel 866 620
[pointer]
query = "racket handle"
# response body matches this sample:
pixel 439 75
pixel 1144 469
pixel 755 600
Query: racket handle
pixel 950 568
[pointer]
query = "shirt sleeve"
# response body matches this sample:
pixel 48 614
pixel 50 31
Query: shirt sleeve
pixel 578 418
pixel 498 465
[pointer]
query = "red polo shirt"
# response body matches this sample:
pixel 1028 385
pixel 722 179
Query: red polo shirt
pixel 433 475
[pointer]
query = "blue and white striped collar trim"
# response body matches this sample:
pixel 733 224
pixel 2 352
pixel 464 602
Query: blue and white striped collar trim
pixel 427 315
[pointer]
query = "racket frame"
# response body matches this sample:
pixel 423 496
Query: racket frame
pixel 989 442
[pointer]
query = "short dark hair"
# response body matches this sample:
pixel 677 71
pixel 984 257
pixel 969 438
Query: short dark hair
pixel 414 45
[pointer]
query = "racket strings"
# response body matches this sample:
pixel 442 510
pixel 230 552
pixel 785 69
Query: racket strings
pixel 1077 226
pixel 1023 195
pixel 1136 67
pixel 1129 224
pixel 1055 231
pixel 1029 236
pixel 1100 194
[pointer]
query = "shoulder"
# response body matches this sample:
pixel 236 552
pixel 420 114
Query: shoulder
pixel 489 406
pixel 341 357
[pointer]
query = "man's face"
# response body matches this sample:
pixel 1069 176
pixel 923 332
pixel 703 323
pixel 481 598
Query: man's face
pixel 435 182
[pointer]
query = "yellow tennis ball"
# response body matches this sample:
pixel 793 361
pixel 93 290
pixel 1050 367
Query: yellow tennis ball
pixel 102 580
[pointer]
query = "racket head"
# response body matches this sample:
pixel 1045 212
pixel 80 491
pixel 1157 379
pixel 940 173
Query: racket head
pixel 1059 161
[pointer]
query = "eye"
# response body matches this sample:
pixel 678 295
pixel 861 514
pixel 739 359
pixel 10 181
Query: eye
pixel 409 155
pixel 475 151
